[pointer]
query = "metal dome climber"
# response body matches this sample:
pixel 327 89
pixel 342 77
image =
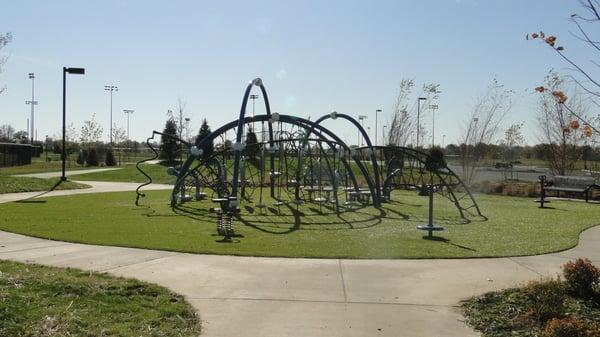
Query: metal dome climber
pixel 301 161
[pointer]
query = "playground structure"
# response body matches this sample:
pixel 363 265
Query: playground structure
pixel 295 160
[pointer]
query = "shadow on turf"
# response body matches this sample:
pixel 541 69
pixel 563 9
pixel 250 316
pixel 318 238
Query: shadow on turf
pixel 30 199
pixel 447 241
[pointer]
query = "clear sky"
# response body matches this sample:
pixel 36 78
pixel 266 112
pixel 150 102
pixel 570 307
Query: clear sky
pixel 313 56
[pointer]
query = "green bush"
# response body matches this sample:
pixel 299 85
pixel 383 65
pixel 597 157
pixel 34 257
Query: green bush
pixel 110 159
pixel 81 157
pixel 565 327
pixel 92 158
pixel 546 299
pixel 582 277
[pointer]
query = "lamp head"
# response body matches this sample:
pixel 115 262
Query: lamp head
pixel 76 71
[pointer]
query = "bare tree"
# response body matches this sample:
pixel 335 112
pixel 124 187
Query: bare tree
pixel 558 125
pixel 403 122
pixel 6 132
pixel 91 131
pixel 119 134
pixel 512 138
pixel 482 126
pixel 4 40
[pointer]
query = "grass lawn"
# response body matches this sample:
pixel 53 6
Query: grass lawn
pixel 129 173
pixel 39 166
pixel 10 184
pixel 515 226
pixel 48 301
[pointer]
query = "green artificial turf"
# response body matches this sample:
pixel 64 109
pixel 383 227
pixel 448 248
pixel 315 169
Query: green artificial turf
pixel 516 226
pixel 11 184
pixel 48 301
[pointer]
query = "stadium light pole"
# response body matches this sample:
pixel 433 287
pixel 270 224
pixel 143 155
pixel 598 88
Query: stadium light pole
pixel 360 120
pixel 128 112
pixel 74 71
pixel 253 97
pixel 433 107
pixel 111 88
pixel 419 118
pixel 376 126
pixel 33 103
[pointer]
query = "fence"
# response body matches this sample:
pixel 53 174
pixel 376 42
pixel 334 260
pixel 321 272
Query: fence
pixel 15 154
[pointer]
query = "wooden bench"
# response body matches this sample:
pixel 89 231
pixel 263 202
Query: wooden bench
pixel 572 184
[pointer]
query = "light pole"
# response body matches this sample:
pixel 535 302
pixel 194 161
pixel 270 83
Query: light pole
pixel 187 128
pixel 128 112
pixel 376 139
pixel 75 71
pixel 46 146
pixel 419 118
pixel 253 98
pixel 33 103
pixel 361 118
pixel 111 88
pixel 383 140
pixel 433 107
pixel 443 140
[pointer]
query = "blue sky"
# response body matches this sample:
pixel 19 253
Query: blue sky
pixel 313 56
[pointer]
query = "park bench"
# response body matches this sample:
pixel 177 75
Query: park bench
pixel 572 184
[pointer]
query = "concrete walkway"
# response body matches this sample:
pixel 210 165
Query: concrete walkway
pixel 47 175
pixel 96 187
pixel 247 296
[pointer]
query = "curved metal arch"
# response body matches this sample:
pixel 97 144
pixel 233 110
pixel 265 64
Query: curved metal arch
pixel 419 155
pixel 240 129
pixel 369 146
pixel 298 121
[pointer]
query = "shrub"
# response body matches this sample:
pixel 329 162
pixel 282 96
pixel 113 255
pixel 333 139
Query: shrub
pixel 581 277
pixel 110 158
pixel 565 327
pixel 81 157
pixel 546 299
pixel 92 158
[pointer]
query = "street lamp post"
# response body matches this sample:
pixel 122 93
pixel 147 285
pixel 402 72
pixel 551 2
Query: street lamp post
pixel 376 139
pixel 433 107
pixel 128 112
pixel 75 71
pixel 33 102
pixel 419 118
pixel 111 88
pixel 383 140
pixel 360 120
pixel 443 140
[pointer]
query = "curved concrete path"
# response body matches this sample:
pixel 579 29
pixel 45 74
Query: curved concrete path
pixel 248 296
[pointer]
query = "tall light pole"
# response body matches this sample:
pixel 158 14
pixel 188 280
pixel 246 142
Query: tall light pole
pixel 128 112
pixel 111 88
pixel 187 128
pixel 433 107
pixel 253 97
pixel 361 118
pixel 376 139
pixel 33 103
pixel 419 118
pixel 76 71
